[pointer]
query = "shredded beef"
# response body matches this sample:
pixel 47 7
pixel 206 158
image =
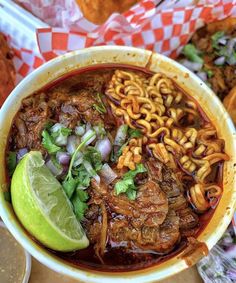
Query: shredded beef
pixel 155 220
pixel 223 79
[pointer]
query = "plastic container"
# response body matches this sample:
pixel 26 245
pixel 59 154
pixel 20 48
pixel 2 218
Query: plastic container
pixel 22 275
pixel 20 25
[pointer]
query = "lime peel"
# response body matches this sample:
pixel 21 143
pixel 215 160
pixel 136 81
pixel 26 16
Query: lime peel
pixel 42 206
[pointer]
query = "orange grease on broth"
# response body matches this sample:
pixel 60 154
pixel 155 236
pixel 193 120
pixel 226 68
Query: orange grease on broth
pixel 194 251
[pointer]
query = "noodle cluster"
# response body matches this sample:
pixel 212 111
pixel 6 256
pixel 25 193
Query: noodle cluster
pixel 156 107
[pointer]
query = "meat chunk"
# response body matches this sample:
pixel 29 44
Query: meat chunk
pixel 85 104
pixel 174 191
pixel 188 219
pixel 161 238
pixel 151 204
pixel 158 238
pixel 30 123
pixel 165 177
pixel 222 79
pixel 144 222
pixel 155 220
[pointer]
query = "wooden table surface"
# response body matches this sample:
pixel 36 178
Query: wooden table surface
pixel 41 274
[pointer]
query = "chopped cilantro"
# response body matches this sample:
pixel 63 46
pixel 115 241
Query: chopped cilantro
pixel 222 51
pixel 48 125
pixel 127 185
pixel 210 73
pixel 191 53
pixel 60 133
pixel 134 133
pixel 99 106
pixel 79 203
pixel 49 143
pixel 215 38
pixel 94 157
pixel 78 178
pixel 69 186
pixel 82 176
pixel 120 140
pixel 11 162
pixel 70 183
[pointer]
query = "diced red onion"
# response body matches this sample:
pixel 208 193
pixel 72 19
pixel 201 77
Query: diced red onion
pixel 97 179
pixel 21 152
pixel 192 66
pixel 202 75
pixel 60 140
pixel 107 174
pixel 88 126
pixel 231 273
pixel 231 60
pixel 87 134
pixel 100 131
pixel 223 40
pixel 63 158
pixel 79 130
pixel 91 171
pixel 220 61
pixel 230 252
pixel 104 147
pixel 56 127
pixel 121 135
pixel 53 168
pixel 230 45
pixel 72 143
pixel 64 170
pixel 78 159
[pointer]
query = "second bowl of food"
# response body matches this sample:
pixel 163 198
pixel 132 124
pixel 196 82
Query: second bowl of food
pixel 119 164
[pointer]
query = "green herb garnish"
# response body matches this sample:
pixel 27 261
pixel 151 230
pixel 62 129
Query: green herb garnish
pixel 127 185
pixel 79 202
pixel 94 157
pixel 210 73
pixel 215 37
pixel 100 107
pixel 48 143
pixel 11 162
pixel 134 133
pixel 70 183
pixel 191 53
pixel 82 177
pixel 60 135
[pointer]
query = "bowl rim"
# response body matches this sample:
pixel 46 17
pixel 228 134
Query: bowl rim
pixel 58 265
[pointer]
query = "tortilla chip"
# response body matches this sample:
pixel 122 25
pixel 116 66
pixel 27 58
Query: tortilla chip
pixel 225 25
pixel 98 11
pixel 7 70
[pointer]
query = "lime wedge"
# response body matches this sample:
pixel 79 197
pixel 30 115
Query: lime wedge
pixel 42 206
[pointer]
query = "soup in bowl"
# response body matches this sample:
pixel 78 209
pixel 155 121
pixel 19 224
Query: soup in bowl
pixel 120 164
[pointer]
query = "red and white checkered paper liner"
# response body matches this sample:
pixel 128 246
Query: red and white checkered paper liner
pixel 164 30
pixel 25 61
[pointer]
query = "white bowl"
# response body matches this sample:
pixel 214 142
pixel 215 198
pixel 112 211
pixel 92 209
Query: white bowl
pixel 188 82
